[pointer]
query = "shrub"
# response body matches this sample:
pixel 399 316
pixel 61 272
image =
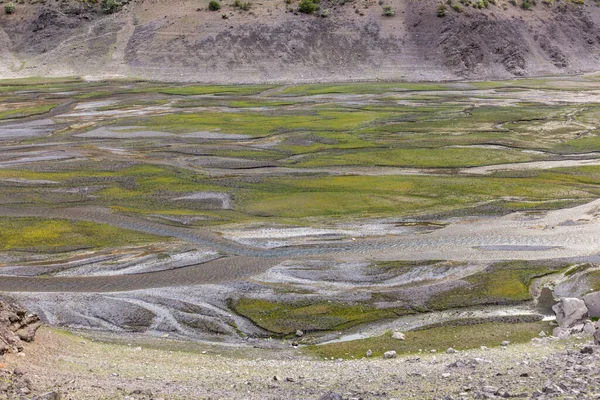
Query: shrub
pixel 526 5
pixel 388 11
pixel 242 6
pixel 441 10
pixel 110 6
pixel 307 6
pixel 9 8
pixel 457 8
pixel 214 5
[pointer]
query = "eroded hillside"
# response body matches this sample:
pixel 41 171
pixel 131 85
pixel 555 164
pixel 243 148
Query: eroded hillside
pixel 271 40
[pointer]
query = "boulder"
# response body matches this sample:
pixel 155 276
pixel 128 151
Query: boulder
pixel 398 336
pixel 589 328
pixel 569 311
pixel 592 302
pixel 561 333
pixel 597 337
pixel 331 396
pixel 389 354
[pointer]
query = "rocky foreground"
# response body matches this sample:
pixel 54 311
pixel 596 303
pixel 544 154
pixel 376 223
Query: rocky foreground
pixel 60 365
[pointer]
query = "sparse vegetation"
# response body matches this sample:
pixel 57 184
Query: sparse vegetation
pixel 388 11
pixel 214 5
pixel 441 10
pixel 457 337
pixel 9 8
pixel 110 6
pixel 244 6
pixel 285 317
pixel 308 6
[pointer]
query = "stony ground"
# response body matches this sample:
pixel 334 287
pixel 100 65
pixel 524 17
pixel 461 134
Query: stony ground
pixel 82 368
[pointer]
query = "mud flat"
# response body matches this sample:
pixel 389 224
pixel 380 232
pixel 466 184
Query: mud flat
pixel 236 214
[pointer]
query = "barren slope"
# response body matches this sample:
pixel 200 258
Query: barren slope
pixel 183 41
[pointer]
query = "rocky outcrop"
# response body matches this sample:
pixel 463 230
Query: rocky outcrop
pixel 569 311
pixel 16 326
pixel 592 302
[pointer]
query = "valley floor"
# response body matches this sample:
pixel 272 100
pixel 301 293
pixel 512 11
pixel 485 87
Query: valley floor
pixel 83 368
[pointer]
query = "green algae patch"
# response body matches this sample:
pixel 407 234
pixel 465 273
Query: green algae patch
pixel 284 318
pixel 439 338
pixel 35 234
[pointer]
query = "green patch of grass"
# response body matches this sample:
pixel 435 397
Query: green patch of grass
pixel 263 123
pixel 578 268
pixel 372 196
pixel 285 318
pixel 421 158
pixel 441 338
pixel 46 234
pixel 501 283
pixel 240 90
pixel 26 111
pixel 359 88
pixel 259 103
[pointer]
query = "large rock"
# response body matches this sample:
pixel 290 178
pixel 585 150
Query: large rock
pixel 389 354
pixel 592 302
pixel 16 327
pixel 569 311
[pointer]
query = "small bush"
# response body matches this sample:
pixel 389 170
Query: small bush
pixel 9 8
pixel 388 11
pixel 214 5
pixel 110 6
pixel 441 10
pixel 307 6
pixel 457 8
pixel 526 5
pixel 245 6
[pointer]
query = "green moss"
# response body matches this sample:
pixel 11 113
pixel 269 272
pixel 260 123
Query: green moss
pixel 501 283
pixel 421 158
pixel 26 111
pixel 218 90
pixel 285 318
pixel 441 338
pixel 57 234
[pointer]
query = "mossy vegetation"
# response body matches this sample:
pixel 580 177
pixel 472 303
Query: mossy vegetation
pixel 501 283
pixel 25 111
pixel 441 338
pixel 34 234
pixel 284 318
